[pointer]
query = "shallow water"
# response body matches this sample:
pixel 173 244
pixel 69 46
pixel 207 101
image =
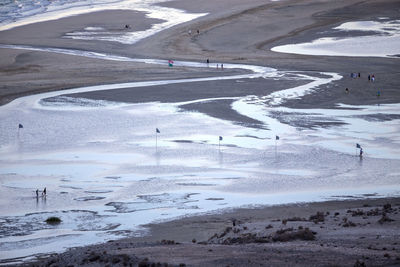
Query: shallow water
pixel 381 39
pixel 18 13
pixel 107 172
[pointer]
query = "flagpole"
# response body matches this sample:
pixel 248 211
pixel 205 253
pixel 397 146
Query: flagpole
pixel 157 132
pixel 20 126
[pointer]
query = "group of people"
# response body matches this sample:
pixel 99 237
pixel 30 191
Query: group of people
pixel 44 192
pixel 218 66
pixel 190 32
pixel 355 75
pixel 371 78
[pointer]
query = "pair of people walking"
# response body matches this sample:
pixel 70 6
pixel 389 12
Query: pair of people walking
pixel 44 192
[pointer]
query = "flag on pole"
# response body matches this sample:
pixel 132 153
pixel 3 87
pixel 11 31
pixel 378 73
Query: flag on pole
pixel 157 130
pixel 220 138
pixel 276 137
pixel 20 126
pixel 358 145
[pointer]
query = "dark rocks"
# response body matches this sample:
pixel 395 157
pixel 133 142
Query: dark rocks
pixel 359 264
pixel 384 219
pixel 245 239
pixel 357 212
pixel 319 217
pixel 387 207
pixel 168 242
pixel 286 235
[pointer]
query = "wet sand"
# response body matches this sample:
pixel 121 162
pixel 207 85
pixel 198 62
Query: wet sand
pixel 334 233
pixel 224 37
pixel 25 72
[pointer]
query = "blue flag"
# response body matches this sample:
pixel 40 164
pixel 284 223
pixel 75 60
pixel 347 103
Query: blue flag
pixel 276 137
pixel 220 138
pixel 358 145
pixel 20 126
pixel 157 131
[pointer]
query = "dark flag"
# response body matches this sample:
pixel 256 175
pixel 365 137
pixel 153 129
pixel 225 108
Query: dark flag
pixel 20 126
pixel 220 138
pixel 358 145
pixel 276 137
pixel 157 131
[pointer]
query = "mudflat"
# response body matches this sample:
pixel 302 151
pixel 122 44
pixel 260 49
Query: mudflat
pixel 237 33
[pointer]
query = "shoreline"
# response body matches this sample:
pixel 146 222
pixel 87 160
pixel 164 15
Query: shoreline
pixel 344 232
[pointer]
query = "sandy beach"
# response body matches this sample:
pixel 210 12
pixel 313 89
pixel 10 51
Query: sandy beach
pixel 344 231
pixel 175 43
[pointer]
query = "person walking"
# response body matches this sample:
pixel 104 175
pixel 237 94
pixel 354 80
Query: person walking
pixel 44 192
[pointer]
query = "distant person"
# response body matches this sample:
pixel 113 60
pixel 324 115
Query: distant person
pixel 369 77
pixel 217 66
pixel 208 62
pixel 361 152
pixel 190 32
pixel 359 75
pixel 198 31
pixel 37 193
pixel 347 90
pixel 373 78
pixel 222 66
pixel 378 94
pixel 127 26
pixel 44 192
